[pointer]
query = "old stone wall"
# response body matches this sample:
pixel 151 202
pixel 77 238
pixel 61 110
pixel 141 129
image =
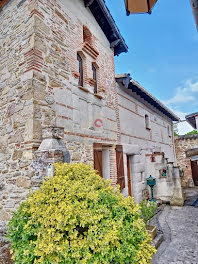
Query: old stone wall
pixel 16 107
pixel 182 145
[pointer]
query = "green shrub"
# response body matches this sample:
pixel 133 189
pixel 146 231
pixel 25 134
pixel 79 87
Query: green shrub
pixel 77 217
pixel 147 210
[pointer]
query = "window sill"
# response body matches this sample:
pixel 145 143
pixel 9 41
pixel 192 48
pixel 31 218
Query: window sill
pixel 84 89
pixel 98 96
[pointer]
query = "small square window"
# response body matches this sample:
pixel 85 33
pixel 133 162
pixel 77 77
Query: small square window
pixel 147 122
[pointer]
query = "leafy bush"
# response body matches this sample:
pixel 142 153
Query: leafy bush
pixel 148 210
pixel 77 217
pixel 193 132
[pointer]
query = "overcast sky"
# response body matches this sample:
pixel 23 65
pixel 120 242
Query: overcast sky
pixel 163 53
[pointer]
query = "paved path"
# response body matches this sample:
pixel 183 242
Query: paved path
pixel 180 228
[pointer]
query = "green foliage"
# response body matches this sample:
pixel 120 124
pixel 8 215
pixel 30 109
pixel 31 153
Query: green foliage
pixel 176 134
pixel 148 210
pixel 193 132
pixel 77 217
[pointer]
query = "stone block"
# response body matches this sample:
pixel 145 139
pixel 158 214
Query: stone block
pixel 76 156
pixel 4 215
pixel 23 182
pixel 138 167
pixel 17 154
pixel 131 149
pixel 40 25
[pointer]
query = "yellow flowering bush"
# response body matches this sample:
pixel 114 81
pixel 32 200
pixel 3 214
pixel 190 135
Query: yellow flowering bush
pixel 77 217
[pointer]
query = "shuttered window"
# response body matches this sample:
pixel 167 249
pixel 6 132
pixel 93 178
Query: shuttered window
pixel 120 166
pixel 98 158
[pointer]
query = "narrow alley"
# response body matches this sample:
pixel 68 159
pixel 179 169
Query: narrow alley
pixel 180 229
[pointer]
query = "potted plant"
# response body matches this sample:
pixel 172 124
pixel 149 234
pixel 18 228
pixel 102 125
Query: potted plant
pixel 148 210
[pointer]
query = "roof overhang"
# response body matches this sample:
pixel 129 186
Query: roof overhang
pixel 191 119
pixel 107 24
pixel 139 6
pixel 194 4
pixel 135 87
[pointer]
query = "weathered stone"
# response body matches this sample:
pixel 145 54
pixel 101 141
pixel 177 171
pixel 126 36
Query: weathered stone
pixel 11 109
pixel 4 216
pixel 17 154
pixel 39 24
pixel 76 156
pixel 54 84
pixel 23 182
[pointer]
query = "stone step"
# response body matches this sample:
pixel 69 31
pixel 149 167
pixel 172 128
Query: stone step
pixel 158 240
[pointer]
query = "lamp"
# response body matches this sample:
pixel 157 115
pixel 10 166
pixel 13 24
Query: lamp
pixel 139 6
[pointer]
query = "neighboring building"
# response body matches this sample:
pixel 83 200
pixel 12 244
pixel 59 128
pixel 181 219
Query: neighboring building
pixel 146 129
pixel 187 154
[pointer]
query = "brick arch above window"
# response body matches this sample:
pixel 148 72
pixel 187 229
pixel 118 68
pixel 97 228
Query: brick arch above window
pixel 87 36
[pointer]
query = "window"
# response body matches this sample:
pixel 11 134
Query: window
pixel 147 122
pixel 80 70
pixel 169 131
pixel 94 70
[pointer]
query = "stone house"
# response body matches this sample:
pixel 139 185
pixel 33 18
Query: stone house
pixel 60 101
pixel 187 154
pixel 149 145
pixel 58 93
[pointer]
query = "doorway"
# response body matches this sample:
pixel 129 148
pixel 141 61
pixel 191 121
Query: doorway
pixel 129 175
pixel 194 167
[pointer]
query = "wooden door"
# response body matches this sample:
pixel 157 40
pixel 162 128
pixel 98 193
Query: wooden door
pixel 194 167
pixel 97 147
pixel 129 176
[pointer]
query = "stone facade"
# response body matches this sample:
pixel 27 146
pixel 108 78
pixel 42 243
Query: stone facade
pixel 186 148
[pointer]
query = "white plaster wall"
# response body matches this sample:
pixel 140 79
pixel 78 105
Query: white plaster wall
pixel 133 129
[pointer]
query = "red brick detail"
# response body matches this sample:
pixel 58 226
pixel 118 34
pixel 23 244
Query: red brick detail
pixel 36 12
pixel 66 106
pixel 34 60
pixel 64 117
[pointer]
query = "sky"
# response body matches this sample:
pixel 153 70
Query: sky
pixel 163 53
